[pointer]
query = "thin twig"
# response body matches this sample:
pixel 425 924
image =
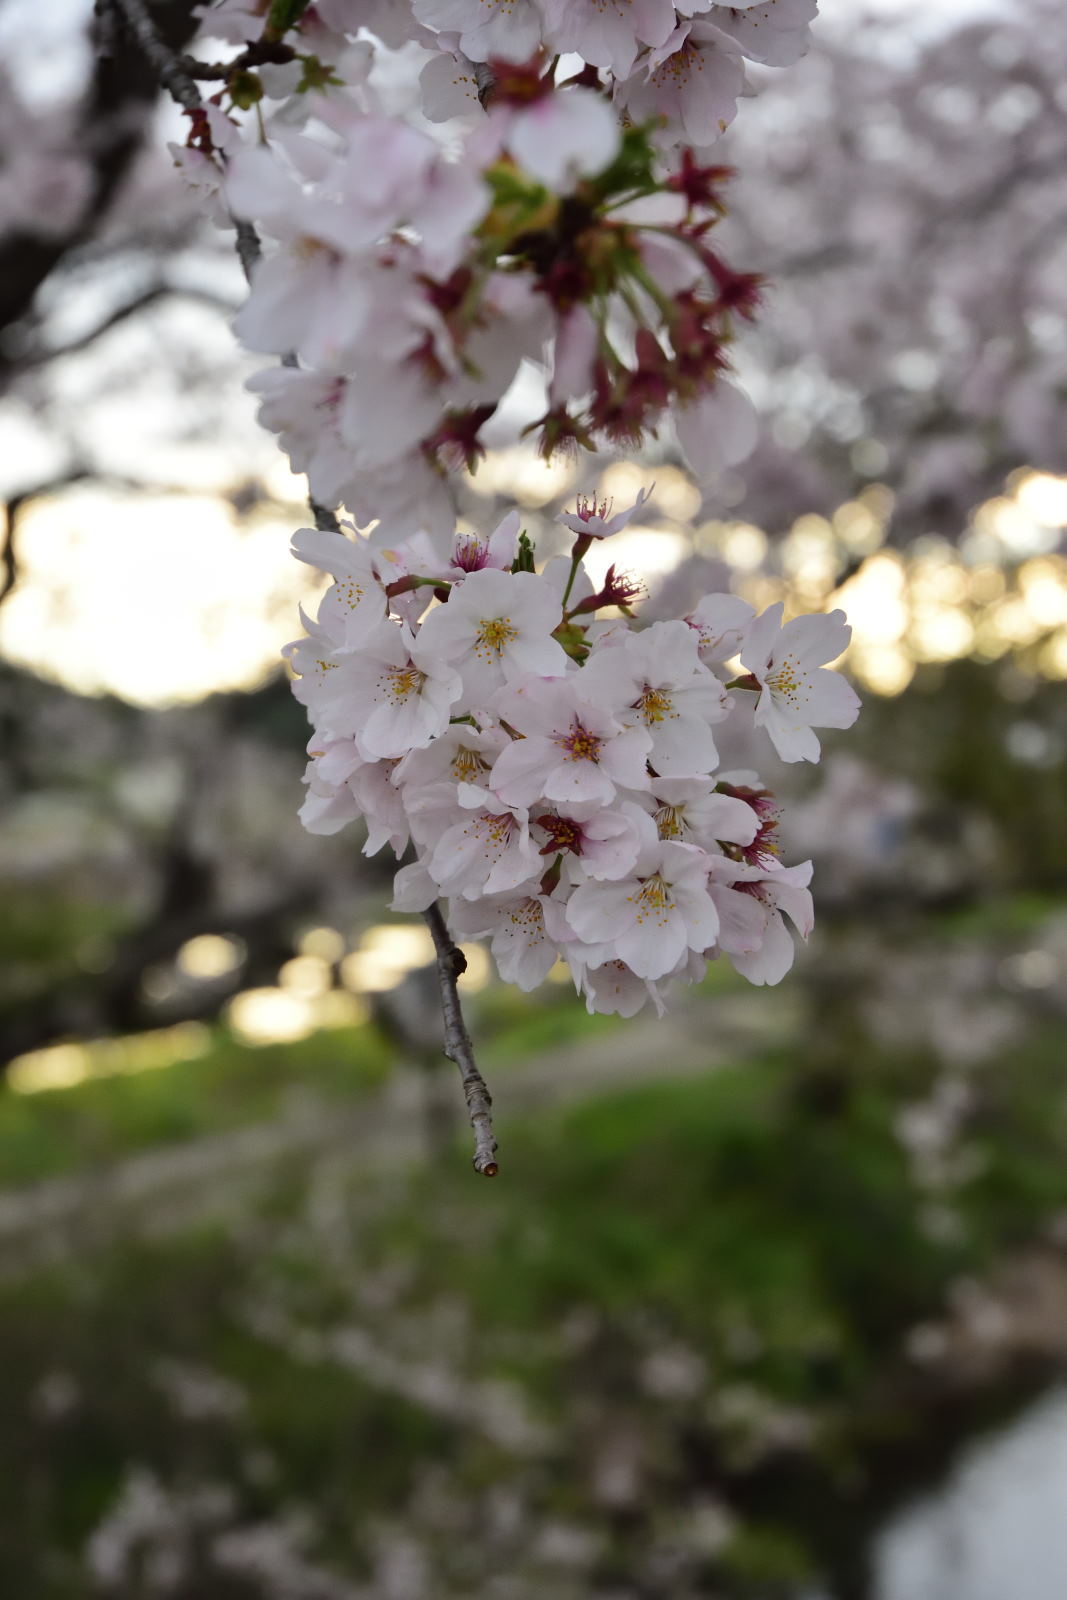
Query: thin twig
pixel 325 519
pixel 261 52
pixel 38 356
pixel 451 963
pixel 249 251
pixel 174 77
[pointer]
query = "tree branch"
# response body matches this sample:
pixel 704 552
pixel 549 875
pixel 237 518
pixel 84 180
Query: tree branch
pixel 260 52
pixel 9 566
pixel 129 308
pixel 114 114
pixel 458 1048
pixel 164 61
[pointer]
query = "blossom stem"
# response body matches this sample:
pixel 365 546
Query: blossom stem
pixel 451 963
pixel 411 581
pixel 581 545
pixel 666 306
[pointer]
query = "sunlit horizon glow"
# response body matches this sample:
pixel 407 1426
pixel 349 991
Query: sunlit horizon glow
pixel 159 599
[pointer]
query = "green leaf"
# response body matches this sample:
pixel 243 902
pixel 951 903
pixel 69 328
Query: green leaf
pixel 524 560
pixel 283 15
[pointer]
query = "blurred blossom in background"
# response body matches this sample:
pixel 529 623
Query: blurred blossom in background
pixel 772 1301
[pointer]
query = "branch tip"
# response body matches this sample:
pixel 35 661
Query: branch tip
pixel 451 963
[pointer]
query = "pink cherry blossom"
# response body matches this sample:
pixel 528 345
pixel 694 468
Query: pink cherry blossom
pixel 759 943
pixel 609 33
pixel 473 554
pixel 489 851
pixel 666 689
pixel 690 811
pixel 573 355
pixel 612 988
pixel 693 80
pixel 717 430
pixel 574 748
pixel 592 519
pixel 602 843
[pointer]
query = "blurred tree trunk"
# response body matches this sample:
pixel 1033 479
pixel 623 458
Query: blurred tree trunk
pixel 114 117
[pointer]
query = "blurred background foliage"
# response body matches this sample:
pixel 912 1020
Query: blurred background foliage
pixel 770 1299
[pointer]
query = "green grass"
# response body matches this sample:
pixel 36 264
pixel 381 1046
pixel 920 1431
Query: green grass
pixel 95 1123
pixel 730 1202
pixel 232 1085
pixel 775 1235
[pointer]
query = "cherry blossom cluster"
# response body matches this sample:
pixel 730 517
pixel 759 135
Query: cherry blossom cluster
pixel 551 766
pixel 520 211
pixel 546 196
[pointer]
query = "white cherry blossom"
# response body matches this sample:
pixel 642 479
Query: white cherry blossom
pixel 718 430
pixel 549 764
pixel 356 599
pixel 562 137
pixel 797 692
pixel 489 851
pixel 496 625
pixel 525 933
pixel 654 916
pixel 507 28
pixel 611 987
pixel 390 693
pixel 448 86
pixel 461 754
pixel 689 811
pixel 776 33
pixel 720 622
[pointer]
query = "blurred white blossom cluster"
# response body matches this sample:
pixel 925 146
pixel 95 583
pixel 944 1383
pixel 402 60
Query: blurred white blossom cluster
pixel 555 767
pixel 544 199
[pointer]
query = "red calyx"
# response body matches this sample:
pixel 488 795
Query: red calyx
pixel 699 184
pixel 520 83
